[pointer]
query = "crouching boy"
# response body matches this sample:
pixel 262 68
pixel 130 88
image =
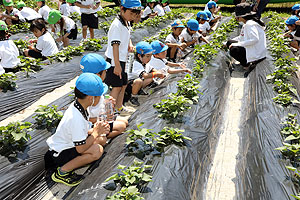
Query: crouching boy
pixel 74 143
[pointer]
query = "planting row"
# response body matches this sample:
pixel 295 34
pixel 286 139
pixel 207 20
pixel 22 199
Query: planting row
pixel 286 92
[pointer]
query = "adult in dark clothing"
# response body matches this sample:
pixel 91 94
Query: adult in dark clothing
pixel 258 6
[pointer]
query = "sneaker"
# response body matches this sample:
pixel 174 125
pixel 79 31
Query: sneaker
pixel 69 179
pixel 134 101
pixel 142 92
pixel 126 111
pixel 153 84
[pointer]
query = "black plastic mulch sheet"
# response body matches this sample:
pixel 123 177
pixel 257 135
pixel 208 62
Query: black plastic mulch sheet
pixel 180 173
pixel 18 173
pixel 261 169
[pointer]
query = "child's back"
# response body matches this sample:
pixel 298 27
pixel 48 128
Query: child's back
pixel 9 55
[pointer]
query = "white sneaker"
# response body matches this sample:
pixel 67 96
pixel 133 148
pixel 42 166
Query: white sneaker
pixel 126 111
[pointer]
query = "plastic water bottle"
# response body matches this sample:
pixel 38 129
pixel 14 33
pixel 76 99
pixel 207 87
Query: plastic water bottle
pixel 109 110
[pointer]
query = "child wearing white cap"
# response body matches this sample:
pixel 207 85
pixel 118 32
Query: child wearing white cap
pixel 75 143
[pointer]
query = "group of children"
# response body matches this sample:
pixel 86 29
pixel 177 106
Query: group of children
pixel 81 134
pixel 293 27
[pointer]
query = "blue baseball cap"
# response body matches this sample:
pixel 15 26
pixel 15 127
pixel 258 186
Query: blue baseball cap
pixel 193 24
pixel 143 48
pixel 202 15
pixel 91 84
pixel 291 20
pixel 93 63
pixel 296 7
pixel 211 4
pixel 177 24
pixel 133 4
pixel 158 47
pixel 208 13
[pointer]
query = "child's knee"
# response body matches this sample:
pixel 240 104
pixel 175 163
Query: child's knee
pixel 119 126
pixel 26 52
pixel 102 141
pixel 97 151
pixel 84 28
pixel 138 82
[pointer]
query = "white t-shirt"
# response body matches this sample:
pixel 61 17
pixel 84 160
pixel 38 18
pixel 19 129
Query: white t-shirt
pixel 188 38
pixel 75 9
pixel 160 11
pixel 204 28
pixel 89 2
pixel 159 64
pixel 118 32
pixel 167 9
pixel 138 70
pixel 46 45
pixel 65 9
pixel 171 39
pixel 29 13
pixel 72 129
pixel 9 55
pixel 94 111
pixel 253 38
pixel 68 25
pixel 15 12
pixel 44 12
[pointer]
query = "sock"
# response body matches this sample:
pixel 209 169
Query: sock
pixel 61 172
pixel 119 109
pixel 134 95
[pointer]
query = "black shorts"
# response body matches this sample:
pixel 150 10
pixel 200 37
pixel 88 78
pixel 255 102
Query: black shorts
pixel 111 125
pixel 114 80
pixel 52 162
pixel 35 54
pixel 89 20
pixel 73 34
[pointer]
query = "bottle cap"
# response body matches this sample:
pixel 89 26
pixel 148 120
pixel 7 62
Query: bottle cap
pixel 106 96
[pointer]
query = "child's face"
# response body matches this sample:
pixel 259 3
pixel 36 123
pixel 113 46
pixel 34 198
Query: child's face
pixel 191 31
pixel 291 27
pixel 165 4
pixel 177 31
pixel 130 14
pixel 96 100
pixel 151 5
pixel 146 58
pixel 39 3
pixel 212 10
pixel 202 21
pixel 37 32
pixel 9 8
pixel 20 9
pixel 103 75
pixel 161 55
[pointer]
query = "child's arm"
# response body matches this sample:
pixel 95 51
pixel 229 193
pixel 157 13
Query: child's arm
pixel 99 129
pixel 118 69
pixel 130 46
pixel 11 17
pixel 177 71
pixel 172 64
pixel 96 6
pixel 172 45
pixel 153 74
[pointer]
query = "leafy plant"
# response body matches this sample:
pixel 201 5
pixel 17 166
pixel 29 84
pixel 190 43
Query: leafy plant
pixel 29 65
pixel 19 28
pixel 105 25
pixel 173 108
pixel 91 44
pixel 75 17
pixel 67 53
pixel 7 81
pixel 13 137
pixel 169 136
pixel 21 45
pixel 107 12
pixel 134 175
pixel 188 87
pixel 48 117
pixel 130 193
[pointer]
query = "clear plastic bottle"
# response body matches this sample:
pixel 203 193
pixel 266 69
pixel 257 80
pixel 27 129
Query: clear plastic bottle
pixel 109 110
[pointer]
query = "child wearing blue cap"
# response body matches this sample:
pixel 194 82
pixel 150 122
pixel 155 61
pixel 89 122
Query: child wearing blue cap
pixel 212 3
pixel 204 26
pixel 153 9
pixel 296 9
pixel 173 41
pixel 212 7
pixel 75 143
pixel 190 35
pixel 95 63
pixel 294 31
pixel 142 73
pixel 119 44
pixel 158 60
pixel 89 17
